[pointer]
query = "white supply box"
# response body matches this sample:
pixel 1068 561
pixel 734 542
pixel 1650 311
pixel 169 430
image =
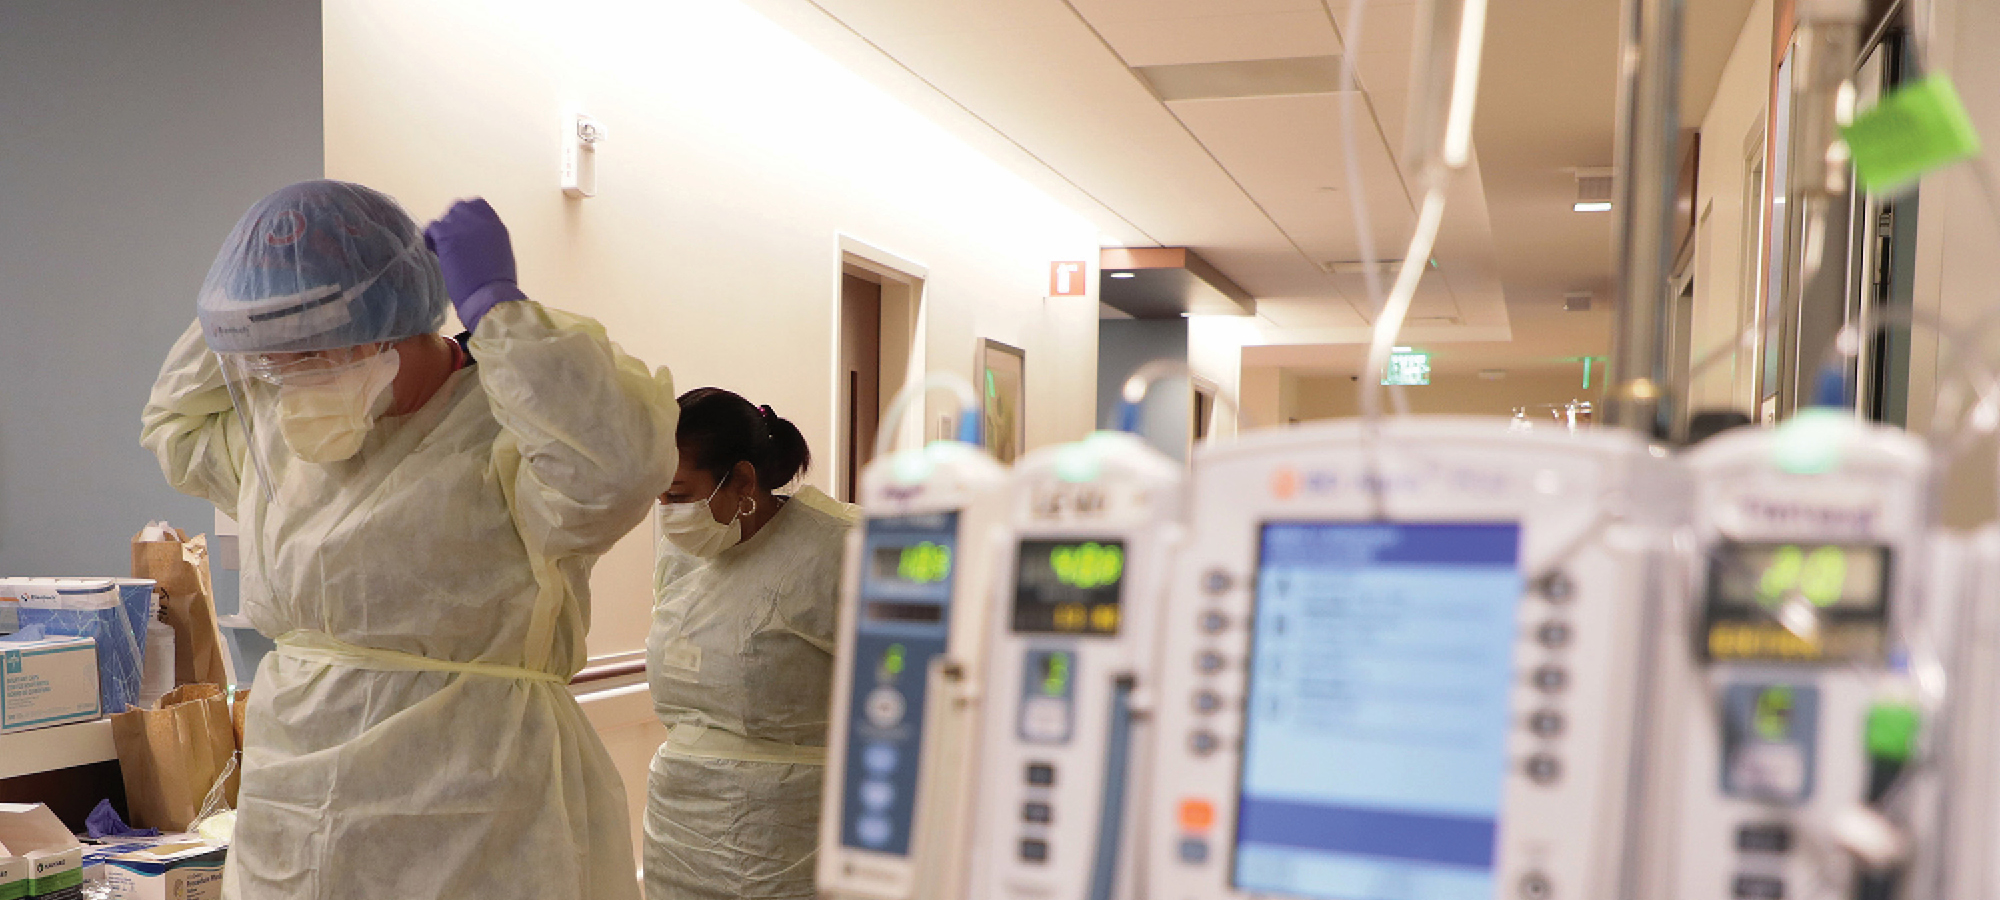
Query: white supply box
pixel 13 877
pixel 183 870
pixel 35 842
pixel 47 682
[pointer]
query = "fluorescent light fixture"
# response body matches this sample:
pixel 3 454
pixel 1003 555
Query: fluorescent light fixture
pixel 1123 275
pixel 1399 349
pixel 1593 206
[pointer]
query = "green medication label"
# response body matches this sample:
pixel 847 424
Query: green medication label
pixel 1919 128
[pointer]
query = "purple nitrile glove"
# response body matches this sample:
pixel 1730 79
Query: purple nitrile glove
pixel 476 258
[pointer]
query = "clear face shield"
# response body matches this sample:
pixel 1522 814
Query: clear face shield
pixel 313 408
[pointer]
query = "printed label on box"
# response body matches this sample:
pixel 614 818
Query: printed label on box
pixel 47 683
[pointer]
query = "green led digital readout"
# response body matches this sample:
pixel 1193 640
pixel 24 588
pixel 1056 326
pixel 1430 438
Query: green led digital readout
pixel 1819 576
pixel 1089 565
pixel 1055 675
pixel 924 563
pixel 1772 716
pixel 1844 588
pixel 1070 586
pixel 892 660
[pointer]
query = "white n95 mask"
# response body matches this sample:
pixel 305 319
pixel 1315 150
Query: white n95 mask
pixel 691 527
pixel 325 419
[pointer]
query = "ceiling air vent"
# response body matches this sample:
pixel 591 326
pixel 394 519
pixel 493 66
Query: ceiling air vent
pixel 1243 78
pixel 1576 301
pixel 1386 268
pixel 1593 190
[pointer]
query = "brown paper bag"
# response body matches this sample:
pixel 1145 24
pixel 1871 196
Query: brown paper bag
pixel 173 755
pixel 239 708
pixel 181 567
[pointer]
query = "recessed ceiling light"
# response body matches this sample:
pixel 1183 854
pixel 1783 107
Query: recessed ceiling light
pixel 1123 275
pixel 1400 349
pixel 1593 206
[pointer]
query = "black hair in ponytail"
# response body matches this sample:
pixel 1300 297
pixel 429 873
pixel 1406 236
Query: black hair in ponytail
pixel 719 429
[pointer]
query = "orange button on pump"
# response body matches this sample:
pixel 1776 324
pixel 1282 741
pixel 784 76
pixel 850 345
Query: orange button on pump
pixel 1197 815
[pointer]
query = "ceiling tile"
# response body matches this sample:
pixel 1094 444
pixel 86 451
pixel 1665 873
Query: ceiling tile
pixel 1286 152
pixel 1159 42
pixel 1386 26
pixel 1106 11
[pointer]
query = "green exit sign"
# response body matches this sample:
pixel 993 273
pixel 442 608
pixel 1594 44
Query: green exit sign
pixel 1407 367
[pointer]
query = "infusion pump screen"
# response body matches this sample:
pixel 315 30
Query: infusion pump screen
pixel 1374 752
pixel 1068 587
pixel 1751 584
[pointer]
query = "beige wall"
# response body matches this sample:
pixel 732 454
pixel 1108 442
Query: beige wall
pixel 1726 235
pixel 1215 354
pixel 1956 266
pixel 1449 393
pixel 737 156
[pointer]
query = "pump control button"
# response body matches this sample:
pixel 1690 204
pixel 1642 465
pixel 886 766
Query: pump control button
pixel 1536 886
pixel 1203 743
pixel 1206 702
pixel 1197 815
pixel 1546 723
pixel 1214 622
pixel 1209 662
pixel 1758 887
pixel 1037 812
pixel 1543 768
pixel 1550 679
pixel 1553 634
pixel 1033 850
pixel 1194 851
pixel 1041 774
pixel 885 707
pixel 1774 837
pixel 1217 581
pixel 1555 587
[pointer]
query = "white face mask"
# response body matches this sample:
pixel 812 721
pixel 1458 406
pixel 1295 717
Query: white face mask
pixel 327 419
pixel 692 527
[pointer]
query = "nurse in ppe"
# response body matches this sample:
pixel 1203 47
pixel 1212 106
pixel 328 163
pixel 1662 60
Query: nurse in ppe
pixel 740 657
pixel 419 518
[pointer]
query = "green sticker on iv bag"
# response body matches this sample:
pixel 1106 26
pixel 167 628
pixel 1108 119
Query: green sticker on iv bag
pixel 1916 129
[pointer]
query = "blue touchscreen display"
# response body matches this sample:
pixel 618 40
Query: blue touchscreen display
pixel 1375 741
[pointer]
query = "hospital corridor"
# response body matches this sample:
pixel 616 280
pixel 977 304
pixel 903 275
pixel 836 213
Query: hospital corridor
pixel 999 450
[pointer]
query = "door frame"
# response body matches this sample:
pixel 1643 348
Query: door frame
pixel 902 342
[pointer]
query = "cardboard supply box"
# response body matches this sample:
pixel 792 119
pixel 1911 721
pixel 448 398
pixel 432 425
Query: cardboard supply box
pixel 32 835
pixel 47 682
pixel 189 869
pixel 13 877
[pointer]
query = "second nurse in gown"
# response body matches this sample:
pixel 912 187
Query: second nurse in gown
pixel 740 657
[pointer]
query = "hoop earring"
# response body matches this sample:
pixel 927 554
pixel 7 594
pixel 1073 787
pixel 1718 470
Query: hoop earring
pixel 753 507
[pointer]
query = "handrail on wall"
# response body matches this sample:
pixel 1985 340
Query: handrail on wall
pixel 609 671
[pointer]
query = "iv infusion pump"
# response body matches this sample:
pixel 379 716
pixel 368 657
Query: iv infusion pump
pixel 1406 662
pixel 1789 711
pixel 900 741
pixel 1094 525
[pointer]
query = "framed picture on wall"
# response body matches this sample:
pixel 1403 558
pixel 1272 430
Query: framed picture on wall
pixel 1003 385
